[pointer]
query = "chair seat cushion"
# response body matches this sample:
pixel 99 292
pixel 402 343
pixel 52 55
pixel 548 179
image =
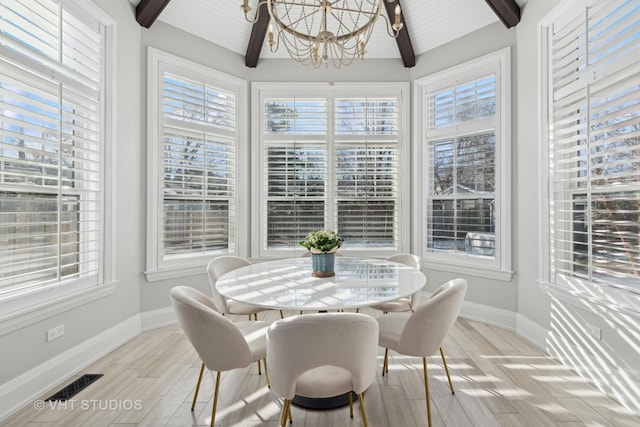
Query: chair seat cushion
pixel 236 307
pixel 255 334
pixel 391 326
pixel 401 304
pixel 324 381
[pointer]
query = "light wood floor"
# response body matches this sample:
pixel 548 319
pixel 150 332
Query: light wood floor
pixel 500 380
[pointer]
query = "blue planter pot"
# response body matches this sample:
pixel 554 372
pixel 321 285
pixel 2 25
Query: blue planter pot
pixel 323 264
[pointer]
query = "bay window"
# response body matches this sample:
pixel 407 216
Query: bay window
pixel 463 125
pixel 593 146
pixel 331 158
pixel 195 117
pixel 53 145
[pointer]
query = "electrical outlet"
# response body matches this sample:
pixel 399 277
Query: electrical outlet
pixel 593 330
pixel 54 333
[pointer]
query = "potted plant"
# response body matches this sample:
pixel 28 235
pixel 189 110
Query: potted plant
pixel 323 245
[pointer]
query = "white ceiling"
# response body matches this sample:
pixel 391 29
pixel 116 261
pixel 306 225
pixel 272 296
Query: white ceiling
pixel 431 23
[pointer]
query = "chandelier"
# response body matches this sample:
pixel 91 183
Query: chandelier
pixel 317 32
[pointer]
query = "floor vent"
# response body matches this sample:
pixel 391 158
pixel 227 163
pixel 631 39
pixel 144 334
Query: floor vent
pixel 75 387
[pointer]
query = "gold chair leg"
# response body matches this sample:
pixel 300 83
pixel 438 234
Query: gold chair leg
pixel 350 405
pixel 195 395
pixel 259 370
pixel 426 389
pixel 249 317
pixel 281 314
pixel 266 373
pixel 363 414
pixel 215 400
pixel 385 362
pixel 285 412
pixel 446 369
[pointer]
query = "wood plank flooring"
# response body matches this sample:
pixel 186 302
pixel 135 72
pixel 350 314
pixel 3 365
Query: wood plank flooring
pixel 500 380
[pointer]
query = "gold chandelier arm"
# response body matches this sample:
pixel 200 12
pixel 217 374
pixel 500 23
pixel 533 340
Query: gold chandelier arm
pixel 391 31
pixel 246 9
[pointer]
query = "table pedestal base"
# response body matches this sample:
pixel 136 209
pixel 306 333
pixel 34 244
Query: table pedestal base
pixel 324 403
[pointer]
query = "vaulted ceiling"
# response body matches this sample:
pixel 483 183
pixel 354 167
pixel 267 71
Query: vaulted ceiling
pixel 428 24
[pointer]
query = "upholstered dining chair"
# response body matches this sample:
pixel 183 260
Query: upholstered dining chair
pixel 218 267
pixel 403 304
pixel 221 344
pixel 421 333
pixel 322 355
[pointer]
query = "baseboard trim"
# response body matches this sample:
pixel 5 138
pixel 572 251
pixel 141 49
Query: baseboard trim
pixel 28 387
pixel 532 331
pixel 489 315
pixel 159 318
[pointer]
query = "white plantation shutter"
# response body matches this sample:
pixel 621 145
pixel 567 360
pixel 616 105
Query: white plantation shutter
pixel 594 148
pixel 295 169
pixel 199 167
pixel 460 141
pixel 51 144
pixel 367 171
pixel 331 162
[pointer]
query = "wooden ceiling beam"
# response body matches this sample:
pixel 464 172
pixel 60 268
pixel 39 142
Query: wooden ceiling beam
pixel 404 42
pixel 148 11
pixel 258 33
pixel 507 10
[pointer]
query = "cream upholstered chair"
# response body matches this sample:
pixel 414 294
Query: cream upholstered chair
pixel 221 344
pixel 403 304
pixel 322 355
pixel 216 268
pixel 421 333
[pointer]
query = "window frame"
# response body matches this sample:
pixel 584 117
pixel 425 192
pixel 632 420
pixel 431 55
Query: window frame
pixel 575 290
pixel 158 61
pixel 28 306
pixel 499 63
pixel 331 91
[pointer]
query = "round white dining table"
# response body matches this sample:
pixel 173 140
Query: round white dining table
pixel 288 284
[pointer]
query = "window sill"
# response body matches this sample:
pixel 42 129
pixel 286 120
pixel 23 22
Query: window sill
pixel 470 270
pixel 595 298
pixel 34 312
pixel 175 272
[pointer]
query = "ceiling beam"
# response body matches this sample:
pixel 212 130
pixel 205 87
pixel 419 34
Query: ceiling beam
pixel 258 32
pixel 507 10
pixel 148 11
pixel 403 40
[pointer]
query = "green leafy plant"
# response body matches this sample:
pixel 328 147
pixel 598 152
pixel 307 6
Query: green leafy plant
pixel 322 241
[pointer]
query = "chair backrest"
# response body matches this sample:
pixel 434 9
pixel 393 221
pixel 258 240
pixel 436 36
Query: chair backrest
pixel 407 259
pixel 298 344
pixel 217 340
pixel 413 261
pixel 429 325
pixel 216 268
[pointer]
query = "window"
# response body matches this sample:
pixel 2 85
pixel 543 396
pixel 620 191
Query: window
pixel 53 132
pixel 594 145
pixel 463 122
pixel 332 158
pixel 195 117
